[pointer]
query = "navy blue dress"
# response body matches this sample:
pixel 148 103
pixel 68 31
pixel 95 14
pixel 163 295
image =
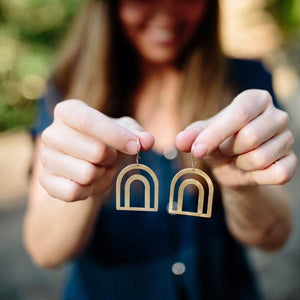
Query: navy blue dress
pixel 147 255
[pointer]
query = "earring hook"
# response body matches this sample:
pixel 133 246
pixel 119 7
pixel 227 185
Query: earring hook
pixel 193 162
pixel 138 148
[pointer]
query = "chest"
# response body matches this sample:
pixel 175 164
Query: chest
pixel 161 119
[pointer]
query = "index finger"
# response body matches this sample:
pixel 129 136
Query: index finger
pixel 244 108
pixel 91 122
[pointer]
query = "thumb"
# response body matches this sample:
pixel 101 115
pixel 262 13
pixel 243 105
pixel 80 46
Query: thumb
pixel 185 139
pixel 145 138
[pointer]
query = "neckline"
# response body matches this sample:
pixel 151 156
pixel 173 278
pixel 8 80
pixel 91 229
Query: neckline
pixel 171 156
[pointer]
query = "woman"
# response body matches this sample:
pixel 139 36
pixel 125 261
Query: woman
pixel 159 63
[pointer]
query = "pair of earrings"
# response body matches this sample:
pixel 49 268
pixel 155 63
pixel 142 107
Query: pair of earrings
pixel 180 175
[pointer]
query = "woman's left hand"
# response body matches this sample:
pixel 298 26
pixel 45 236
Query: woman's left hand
pixel 247 143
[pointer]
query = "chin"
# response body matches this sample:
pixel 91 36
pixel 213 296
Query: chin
pixel 159 57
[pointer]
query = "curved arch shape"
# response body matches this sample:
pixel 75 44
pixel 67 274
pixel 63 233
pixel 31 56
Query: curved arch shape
pixel 129 181
pixel 200 188
pixel 146 183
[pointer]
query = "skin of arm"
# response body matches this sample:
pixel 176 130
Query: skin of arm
pixel 258 215
pixel 54 230
pixel 249 149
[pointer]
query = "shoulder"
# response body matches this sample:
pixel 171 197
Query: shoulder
pixel 52 96
pixel 45 107
pixel 250 74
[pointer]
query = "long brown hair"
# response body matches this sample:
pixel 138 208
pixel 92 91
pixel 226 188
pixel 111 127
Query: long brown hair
pixel 98 65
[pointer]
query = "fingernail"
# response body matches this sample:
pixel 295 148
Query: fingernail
pixel 199 150
pixel 132 147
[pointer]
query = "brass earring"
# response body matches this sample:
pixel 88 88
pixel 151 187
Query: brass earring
pixel 201 192
pixel 136 177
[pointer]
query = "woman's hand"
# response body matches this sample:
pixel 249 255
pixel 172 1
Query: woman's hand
pixel 80 150
pixel 247 143
pixel 75 160
pixel 249 149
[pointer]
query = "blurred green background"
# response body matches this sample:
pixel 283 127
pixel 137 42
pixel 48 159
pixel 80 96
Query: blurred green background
pixel 286 13
pixel 31 30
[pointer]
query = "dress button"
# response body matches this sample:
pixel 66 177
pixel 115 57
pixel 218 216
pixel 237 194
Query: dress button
pixel 178 268
pixel 170 153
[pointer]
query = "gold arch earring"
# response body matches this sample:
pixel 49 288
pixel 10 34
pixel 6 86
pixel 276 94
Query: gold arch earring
pixel 201 192
pixel 136 177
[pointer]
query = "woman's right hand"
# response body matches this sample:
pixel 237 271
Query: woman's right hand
pixel 80 150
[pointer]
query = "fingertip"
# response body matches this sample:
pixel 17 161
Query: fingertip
pixel 146 140
pixel 199 150
pixel 132 147
pixel 184 139
pixel 180 142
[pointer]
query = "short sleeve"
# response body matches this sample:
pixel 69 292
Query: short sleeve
pixel 45 107
pixel 248 74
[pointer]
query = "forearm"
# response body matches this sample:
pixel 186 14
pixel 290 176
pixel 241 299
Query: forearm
pixel 258 215
pixel 54 230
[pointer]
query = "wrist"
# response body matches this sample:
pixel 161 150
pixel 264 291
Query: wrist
pixel 238 192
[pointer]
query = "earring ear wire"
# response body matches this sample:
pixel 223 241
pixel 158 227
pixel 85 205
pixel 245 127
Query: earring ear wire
pixel 123 186
pixel 138 146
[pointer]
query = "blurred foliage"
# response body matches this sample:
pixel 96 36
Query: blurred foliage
pixel 287 14
pixel 30 31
